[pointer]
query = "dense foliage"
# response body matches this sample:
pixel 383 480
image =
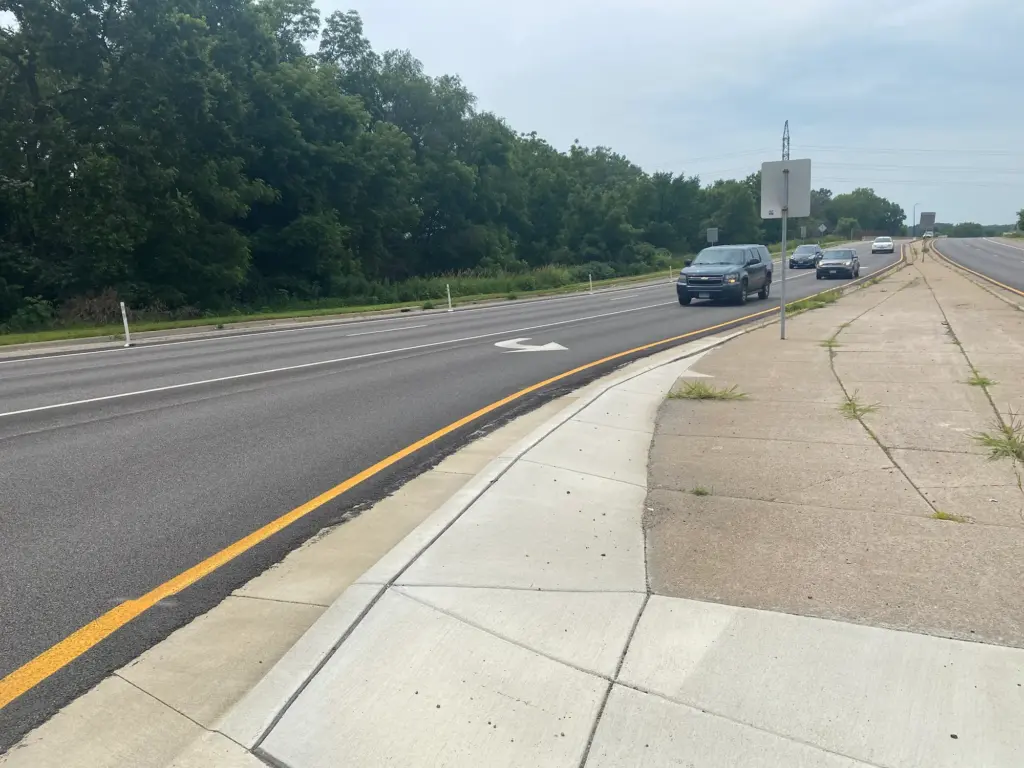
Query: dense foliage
pixel 970 229
pixel 193 156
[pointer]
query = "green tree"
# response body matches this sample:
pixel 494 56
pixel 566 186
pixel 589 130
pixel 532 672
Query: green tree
pixel 967 229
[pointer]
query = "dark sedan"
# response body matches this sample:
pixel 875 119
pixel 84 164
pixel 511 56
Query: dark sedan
pixel 839 262
pixel 805 257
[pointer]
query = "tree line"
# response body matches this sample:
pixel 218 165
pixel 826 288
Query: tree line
pixel 200 156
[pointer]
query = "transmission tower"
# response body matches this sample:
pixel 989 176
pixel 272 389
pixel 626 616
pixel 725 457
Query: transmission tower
pixel 785 141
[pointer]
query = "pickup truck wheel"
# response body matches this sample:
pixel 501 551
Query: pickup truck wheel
pixel 685 300
pixel 766 289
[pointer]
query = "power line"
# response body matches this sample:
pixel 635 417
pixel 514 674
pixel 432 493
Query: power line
pixel 911 150
pixel 920 182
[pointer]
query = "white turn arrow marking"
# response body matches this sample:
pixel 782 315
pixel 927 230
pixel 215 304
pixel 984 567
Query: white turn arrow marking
pixel 517 345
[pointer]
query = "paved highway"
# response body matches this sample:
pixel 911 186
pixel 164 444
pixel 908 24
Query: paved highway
pixel 1002 260
pixel 124 468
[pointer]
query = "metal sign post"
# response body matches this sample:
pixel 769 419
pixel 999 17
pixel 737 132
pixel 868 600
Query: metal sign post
pixel 803 232
pixel 785 192
pixel 712 235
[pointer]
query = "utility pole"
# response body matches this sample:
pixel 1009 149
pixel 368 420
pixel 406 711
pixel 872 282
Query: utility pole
pixel 785 141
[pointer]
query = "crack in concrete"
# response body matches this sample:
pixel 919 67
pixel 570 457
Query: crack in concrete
pixel 833 352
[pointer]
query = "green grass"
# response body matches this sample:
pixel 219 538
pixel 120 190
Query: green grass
pixel 701 390
pixel 977 380
pixel 831 343
pixel 940 515
pixel 69 333
pixel 814 302
pixel 701 491
pixel 1006 441
pixel 853 408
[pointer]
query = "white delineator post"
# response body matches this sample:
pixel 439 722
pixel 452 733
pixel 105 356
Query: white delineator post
pixel 591 279
pixel 448 288
pixel 124 319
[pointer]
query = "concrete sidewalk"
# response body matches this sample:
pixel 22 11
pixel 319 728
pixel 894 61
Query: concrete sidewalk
pixel 788 579
pixel 522 625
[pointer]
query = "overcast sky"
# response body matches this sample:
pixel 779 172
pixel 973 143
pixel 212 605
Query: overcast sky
pixel 919 99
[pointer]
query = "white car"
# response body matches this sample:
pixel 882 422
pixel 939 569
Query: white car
pixel 883 245
pixel 929 233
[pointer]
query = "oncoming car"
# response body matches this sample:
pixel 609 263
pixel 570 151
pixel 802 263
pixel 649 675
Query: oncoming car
pixel 883 245
pixel 839 262
pixel 729 272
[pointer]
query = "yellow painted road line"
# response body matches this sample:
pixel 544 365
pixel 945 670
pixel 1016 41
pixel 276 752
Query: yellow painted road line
pixel 992 280
pixel 74 645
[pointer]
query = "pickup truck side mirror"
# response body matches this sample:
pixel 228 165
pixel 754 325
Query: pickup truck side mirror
pixel 688 262
pixel 753 262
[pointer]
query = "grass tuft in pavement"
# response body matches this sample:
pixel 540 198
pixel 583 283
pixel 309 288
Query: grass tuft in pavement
pixel 1006 441
pixel 853 408
pixel 814 302
pixel 701 390
pixel 940 515
pixel 831 343
pixel 701 491
pixel 977 380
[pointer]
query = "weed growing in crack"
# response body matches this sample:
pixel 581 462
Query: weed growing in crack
pixel 1005 441
pixel 940 515
pixel 701 491
pixel 853 408
pixel 701 390
pixel 814 302
pixel 977 380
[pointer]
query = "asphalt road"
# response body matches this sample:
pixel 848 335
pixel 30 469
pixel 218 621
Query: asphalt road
pixel 123 468
pixel 1001 260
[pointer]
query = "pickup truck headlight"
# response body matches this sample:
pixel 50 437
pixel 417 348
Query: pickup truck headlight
pixel 731 278
pixel 682 279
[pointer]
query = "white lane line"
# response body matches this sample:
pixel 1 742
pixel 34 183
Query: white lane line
pixel 386 330
pixel 302 366
pixel 1000 242
pixel 313 326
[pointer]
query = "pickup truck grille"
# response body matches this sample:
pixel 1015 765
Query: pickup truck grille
pixel 704 280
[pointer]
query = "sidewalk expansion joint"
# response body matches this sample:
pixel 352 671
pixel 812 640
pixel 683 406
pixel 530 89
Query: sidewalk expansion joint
pixel 744 724
pixel 581 472
pixel 615 676
pixel 163 703
pixel 503 638
pixel 277 600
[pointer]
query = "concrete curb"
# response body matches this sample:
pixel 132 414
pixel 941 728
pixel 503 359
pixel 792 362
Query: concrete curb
pixel 252 718
pixel 255 715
